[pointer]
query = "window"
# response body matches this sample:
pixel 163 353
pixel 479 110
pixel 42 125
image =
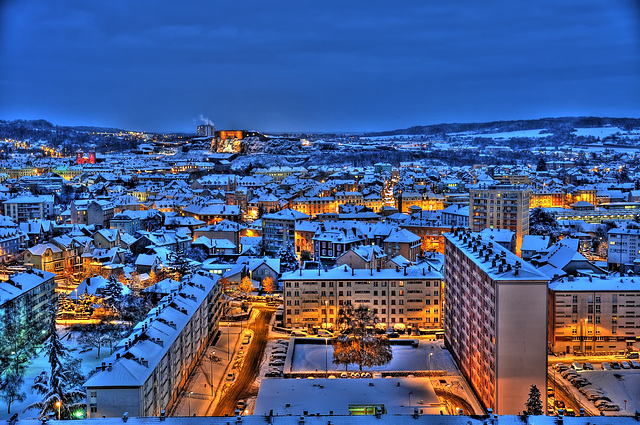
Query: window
pixel 597 308
pixel 597 298
pixel 597 319
pixel 614 309
pixel 574 331
pixel 574 299
pixel 574 309
pixel 614 330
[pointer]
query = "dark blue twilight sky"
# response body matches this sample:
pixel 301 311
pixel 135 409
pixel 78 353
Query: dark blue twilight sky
pixel 316 65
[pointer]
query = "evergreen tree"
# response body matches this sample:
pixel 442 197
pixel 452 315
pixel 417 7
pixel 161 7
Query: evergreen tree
pixel 542 165
pixel 288 258
pixel 113 291
pixel 534 403
pixel 61 388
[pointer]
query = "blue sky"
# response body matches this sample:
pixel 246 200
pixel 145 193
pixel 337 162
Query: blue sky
pixel 316 65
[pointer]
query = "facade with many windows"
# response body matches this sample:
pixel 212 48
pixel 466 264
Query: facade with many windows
pixel 411 296
pixel 146 373
pixel 495 320
pixel 500 207
pixel 594 314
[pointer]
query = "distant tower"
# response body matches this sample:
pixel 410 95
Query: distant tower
pixel 92 155
pixel 79 156
pixel 206 130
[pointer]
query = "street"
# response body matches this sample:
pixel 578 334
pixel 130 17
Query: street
pixel 242 388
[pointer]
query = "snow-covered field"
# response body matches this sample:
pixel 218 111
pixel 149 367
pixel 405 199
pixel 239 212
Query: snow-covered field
pixel 313 357
pixel 39 363
pixel 603 132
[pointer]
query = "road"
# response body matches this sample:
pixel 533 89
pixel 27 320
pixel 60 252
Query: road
pixel 242 388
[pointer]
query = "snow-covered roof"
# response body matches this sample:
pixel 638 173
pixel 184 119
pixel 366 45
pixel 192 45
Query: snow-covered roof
pixel 21 283
pixel 596 283
pixel 346 272
pixel 138 355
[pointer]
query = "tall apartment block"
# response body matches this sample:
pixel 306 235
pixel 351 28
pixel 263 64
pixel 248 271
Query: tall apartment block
pixel 500 207
pixel 495 320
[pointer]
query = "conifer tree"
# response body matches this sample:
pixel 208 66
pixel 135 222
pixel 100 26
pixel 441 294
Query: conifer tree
pixel 61 387
pixel 534 403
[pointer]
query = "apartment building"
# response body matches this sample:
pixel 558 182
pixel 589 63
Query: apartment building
pixel 92 211
pixel 149 368
pixel 279 228
pixel 28 295
pixel 500 207
pixel 495 320
pixel 411 296
pixel 594 314
pixel 623 249
pixel 24 208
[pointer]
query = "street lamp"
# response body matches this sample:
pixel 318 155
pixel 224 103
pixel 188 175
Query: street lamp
pixel 190 392
pixel 584 336
pixel 410 392
pixel 58 405
pixel 326 357
pixel 211 356
pixel 430 354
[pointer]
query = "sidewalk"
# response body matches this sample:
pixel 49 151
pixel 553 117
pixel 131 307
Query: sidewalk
pixel 196 398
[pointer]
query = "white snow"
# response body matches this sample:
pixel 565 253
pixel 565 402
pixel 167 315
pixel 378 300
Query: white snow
pixel 311 357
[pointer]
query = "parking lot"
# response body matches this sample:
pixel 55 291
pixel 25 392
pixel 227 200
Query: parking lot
pixel 612 388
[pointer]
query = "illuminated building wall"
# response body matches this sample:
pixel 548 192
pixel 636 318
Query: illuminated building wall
pixel 495 320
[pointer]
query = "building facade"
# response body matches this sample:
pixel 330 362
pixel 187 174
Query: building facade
pixel 410 296
pixel 495 320
pixel 594 314
pixel 149 368
pixel 500 207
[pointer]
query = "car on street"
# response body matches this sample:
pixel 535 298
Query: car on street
pixel 241 405
pixel 231 376
pixel 559 404
pixel 393 335
pixel 615 365
pixel 273 374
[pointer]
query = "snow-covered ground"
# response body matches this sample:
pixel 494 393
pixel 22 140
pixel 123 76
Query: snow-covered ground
pixel 618 385
pixel 89 362
pixel 505 135
pixel 314 357
pixel 397 395
pixel 603 132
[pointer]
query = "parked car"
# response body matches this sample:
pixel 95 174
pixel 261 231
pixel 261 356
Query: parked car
pixel 587 366
pixel 609 407
pixel 615 365
pixel 273 374
pixel 569 412
pixel 601 402
pixel 560 367
pixel 633 355
pixel 606 366
pixel 559 404
pixel 634 364
pixel 625 365
pixel 393 335
pixel 231 376
pixel 344 375
pixel 241 405
pixel 569 372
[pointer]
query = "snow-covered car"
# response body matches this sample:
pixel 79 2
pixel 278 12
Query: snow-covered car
pixel 273 374
pixel 609 408
pixel 561 367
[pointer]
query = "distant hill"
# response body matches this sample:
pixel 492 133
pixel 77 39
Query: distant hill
pixel 553 125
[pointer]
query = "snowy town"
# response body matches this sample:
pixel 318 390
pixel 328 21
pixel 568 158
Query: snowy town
pixel 486 273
